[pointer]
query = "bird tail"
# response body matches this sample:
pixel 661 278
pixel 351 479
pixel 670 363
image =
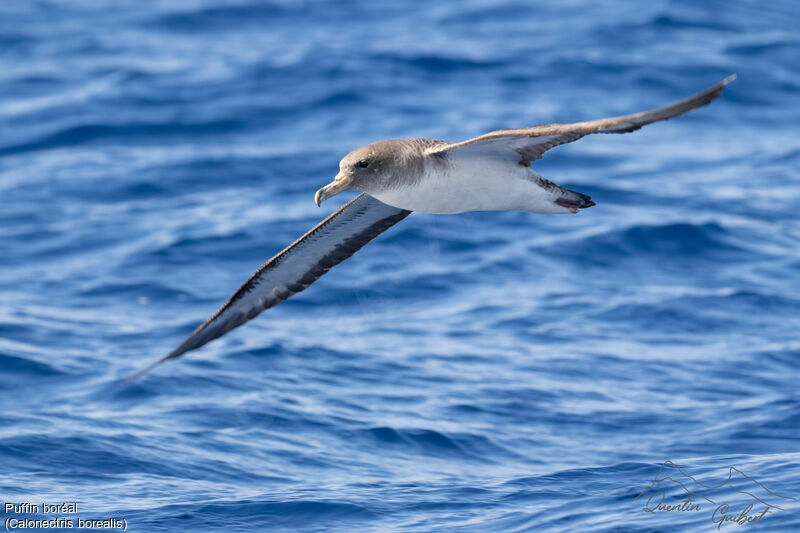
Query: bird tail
pixel 573 200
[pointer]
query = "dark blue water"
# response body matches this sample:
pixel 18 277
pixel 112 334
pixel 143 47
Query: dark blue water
pixel 479 372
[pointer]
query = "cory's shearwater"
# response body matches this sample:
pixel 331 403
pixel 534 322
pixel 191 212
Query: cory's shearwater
pixel 396 177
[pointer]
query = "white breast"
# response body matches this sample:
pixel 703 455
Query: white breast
pixel 473 184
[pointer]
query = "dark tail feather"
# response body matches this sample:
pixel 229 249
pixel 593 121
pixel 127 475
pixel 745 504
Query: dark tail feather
pixel 574 200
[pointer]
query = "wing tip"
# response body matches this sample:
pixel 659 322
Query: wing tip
pixel 727 81
pixel 713 92
pixel 133 377
pixel 716 90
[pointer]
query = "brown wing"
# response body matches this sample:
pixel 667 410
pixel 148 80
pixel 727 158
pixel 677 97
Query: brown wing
pixel 528 144
pixel 295 268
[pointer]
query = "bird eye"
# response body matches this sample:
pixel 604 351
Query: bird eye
pixel 363 163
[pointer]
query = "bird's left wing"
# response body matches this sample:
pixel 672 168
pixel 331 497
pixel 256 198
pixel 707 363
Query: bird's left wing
pixel 295 268
pixel 526 145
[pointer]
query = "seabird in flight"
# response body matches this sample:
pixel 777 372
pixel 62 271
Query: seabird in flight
pixel 398 176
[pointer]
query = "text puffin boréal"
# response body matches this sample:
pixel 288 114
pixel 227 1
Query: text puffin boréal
pixel 54 517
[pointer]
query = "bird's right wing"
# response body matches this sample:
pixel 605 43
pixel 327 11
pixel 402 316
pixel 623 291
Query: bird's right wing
pixel 526 145
pixel 295 268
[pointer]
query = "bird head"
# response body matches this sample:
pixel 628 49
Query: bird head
pixel 365 169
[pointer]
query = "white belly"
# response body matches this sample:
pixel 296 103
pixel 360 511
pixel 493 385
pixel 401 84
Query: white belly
pixel 474 184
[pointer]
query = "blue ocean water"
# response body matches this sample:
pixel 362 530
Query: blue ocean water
pixel 479 372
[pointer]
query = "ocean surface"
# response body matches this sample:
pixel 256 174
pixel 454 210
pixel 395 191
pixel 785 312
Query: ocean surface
pixel 483 372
